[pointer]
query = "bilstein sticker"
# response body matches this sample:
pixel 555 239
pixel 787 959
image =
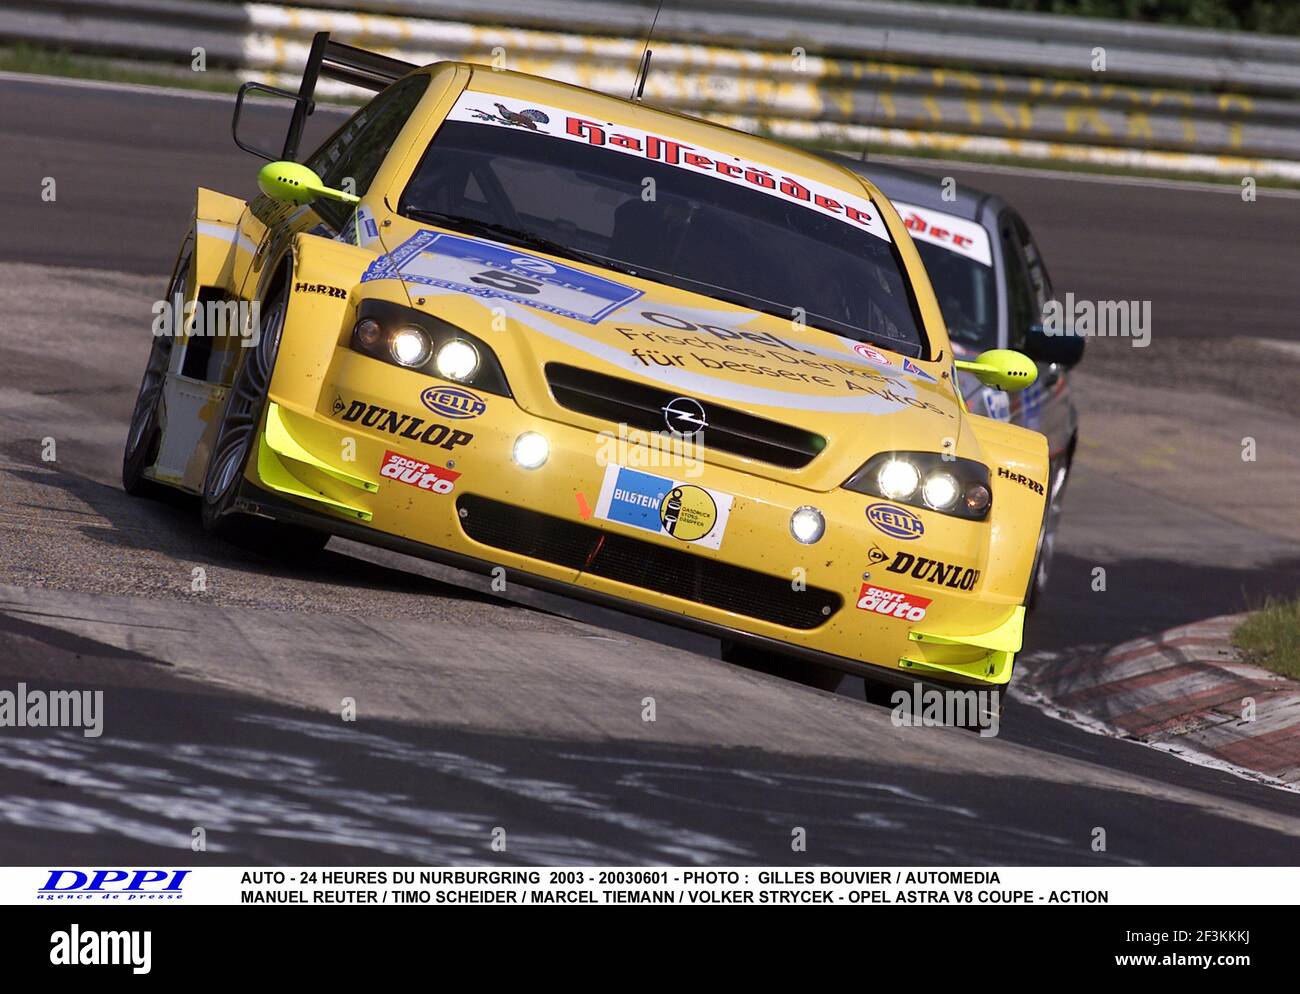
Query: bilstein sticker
pixel 667 507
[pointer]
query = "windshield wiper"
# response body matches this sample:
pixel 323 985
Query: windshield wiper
pixel 517 236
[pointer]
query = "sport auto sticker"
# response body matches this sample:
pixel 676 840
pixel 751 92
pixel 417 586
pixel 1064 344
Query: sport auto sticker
pixel 892 603
pixel 488 270
pixel 684 511
pixel 418 473
pixel 490 110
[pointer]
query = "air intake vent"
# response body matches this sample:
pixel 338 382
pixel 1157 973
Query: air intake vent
pixel 648 408
pixel 644 564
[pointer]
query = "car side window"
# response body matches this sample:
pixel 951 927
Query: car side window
pixel 1038 277
pixel 354 153
pixel 1023 309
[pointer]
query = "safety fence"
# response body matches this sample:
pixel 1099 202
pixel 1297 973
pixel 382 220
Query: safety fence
pixel 845 73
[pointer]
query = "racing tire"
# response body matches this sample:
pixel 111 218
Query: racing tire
pixel 236 441
pixel 144 431
pixel 1046 549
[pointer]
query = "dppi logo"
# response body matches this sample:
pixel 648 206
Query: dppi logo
pixel 131 885
pixel 897 522
pixel 452 402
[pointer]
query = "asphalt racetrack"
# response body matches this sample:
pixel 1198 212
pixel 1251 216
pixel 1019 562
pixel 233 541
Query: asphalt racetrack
pixel 520 711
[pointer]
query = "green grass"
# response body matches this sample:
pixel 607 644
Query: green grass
pixel 1270 637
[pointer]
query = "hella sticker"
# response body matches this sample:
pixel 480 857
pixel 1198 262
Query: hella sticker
pixel 453 402
pixel 896 522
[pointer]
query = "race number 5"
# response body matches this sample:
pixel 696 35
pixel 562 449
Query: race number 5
pixel 506 282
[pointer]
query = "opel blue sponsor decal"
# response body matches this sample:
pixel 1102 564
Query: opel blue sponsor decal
pixel 453 402
pixel 486 269
pixel 896 522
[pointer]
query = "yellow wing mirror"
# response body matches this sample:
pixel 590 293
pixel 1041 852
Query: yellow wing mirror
pixel 294 183
pixel 1002 368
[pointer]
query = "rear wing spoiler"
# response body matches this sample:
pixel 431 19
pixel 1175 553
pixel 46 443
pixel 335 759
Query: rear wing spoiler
pixel 333 60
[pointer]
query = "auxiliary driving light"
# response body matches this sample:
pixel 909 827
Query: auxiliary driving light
pixel 456 360
pixel 531 450
pixel 807 525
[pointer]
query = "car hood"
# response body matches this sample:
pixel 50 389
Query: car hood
pixel 539 312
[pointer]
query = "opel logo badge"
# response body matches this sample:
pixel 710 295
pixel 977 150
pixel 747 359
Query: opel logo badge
pixel 685 416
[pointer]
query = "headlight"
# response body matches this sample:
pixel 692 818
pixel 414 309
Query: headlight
pixel 457 360
pixel 531 450
pixel 807 525
pixel 368 334
pixel 959 487
pixel 409 346
pixel 412 339
pixel 940 490
pixel 898 479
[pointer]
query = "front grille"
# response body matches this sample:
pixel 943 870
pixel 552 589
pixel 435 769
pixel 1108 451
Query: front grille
pixel 644 564
pixel 639 405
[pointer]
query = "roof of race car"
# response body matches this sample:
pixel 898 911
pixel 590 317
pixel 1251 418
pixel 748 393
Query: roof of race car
pixel 742 143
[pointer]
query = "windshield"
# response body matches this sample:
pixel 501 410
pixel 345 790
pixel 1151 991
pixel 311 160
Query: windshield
pixel 695 227
pixel 967 295
pixel 959 262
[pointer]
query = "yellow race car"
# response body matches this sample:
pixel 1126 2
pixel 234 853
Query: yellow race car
pixel 634 357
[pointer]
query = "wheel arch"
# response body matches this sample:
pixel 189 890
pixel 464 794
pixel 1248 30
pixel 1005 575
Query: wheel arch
pixel 1018 468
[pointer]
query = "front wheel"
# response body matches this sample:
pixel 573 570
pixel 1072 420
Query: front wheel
pixel 237 441
pixel 145 431
pixel 1047 536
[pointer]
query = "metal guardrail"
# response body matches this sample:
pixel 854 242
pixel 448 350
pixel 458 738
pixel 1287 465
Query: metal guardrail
pixel 844 72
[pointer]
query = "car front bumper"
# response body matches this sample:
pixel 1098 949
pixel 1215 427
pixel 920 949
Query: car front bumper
pixel 543 527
